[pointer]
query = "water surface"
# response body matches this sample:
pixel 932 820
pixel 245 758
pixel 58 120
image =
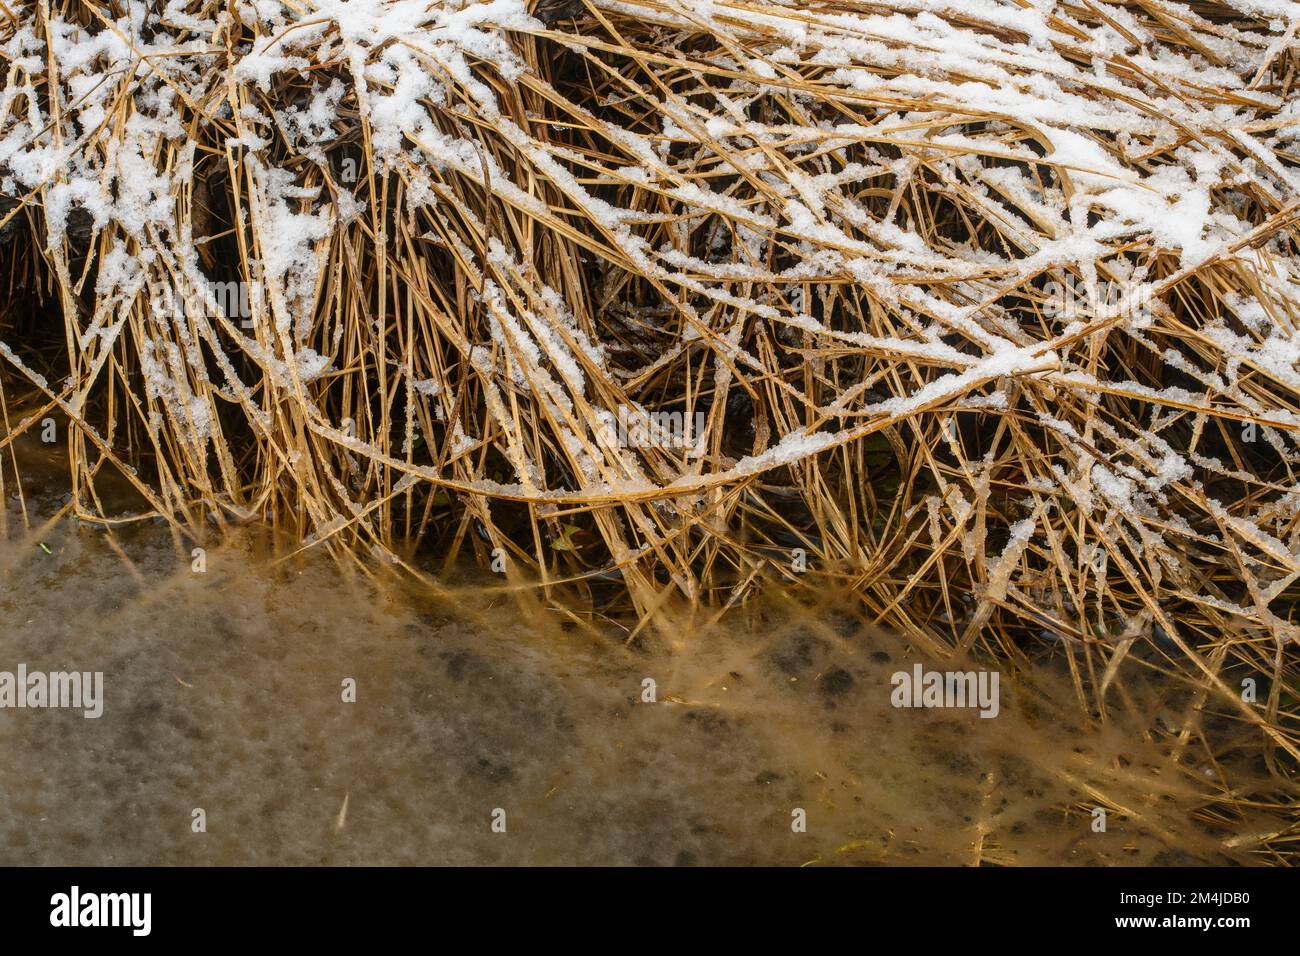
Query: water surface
pixel 224 691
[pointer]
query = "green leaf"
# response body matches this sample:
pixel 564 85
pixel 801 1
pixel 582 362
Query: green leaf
pixel 564 540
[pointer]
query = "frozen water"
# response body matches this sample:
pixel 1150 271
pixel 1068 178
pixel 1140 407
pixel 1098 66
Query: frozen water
pixel 224 692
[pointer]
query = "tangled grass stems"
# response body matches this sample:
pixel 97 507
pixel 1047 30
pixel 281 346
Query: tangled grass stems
pixel 987 311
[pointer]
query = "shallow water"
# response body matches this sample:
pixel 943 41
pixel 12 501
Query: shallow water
pixel 224 692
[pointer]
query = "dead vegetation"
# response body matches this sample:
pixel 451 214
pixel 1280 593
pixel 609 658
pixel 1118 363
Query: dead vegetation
pixel 988 312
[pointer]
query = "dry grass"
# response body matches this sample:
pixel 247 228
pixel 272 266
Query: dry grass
pixel 779 216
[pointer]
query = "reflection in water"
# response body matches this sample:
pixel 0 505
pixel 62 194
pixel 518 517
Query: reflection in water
pixel 224 692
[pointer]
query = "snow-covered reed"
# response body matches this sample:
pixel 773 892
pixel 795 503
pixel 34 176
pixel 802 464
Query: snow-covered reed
pixel 989 308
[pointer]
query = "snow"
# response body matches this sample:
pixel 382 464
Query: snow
pixel 1129 171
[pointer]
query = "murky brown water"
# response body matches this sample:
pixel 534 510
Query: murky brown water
pixel 224 692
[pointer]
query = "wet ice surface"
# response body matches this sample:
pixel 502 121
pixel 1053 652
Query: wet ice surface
pixel 223 692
